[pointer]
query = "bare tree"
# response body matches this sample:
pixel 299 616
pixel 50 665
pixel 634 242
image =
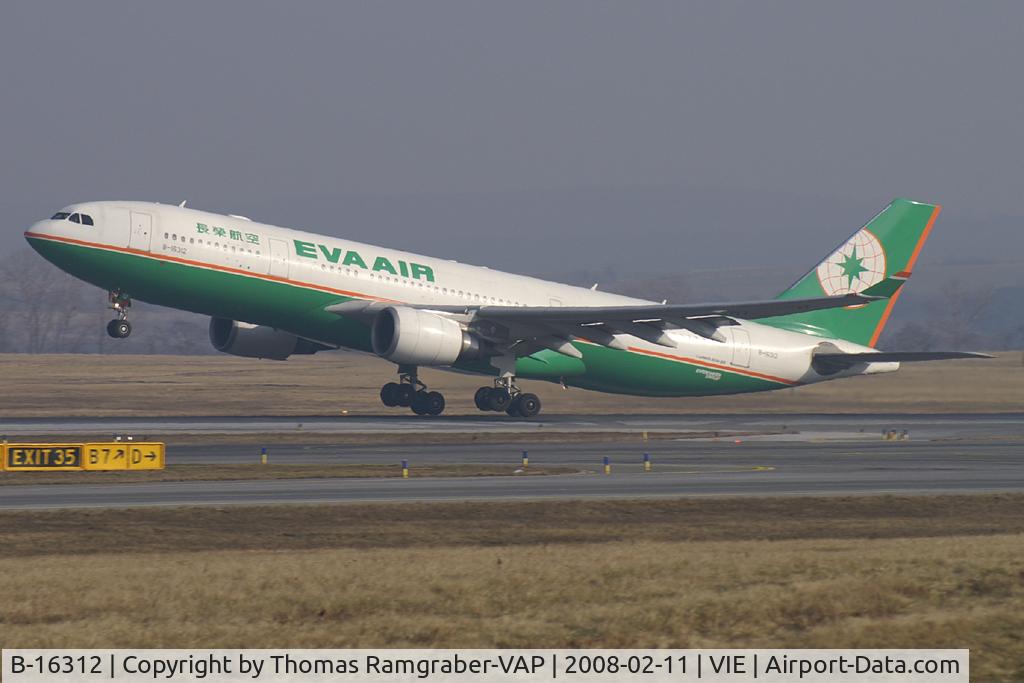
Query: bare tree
pixel 40 304
pixel 958 312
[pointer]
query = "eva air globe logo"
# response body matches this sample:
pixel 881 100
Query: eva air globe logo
pixel 853 267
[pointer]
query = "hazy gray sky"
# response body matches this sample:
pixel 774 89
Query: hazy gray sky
pixel 646 131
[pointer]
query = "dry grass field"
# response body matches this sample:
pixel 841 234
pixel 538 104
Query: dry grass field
pixel 326 384
pixel 857 572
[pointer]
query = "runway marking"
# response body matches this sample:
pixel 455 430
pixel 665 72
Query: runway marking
pixel 735 470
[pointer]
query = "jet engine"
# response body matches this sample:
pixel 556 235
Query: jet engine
pixel 409 336
pixel 257 341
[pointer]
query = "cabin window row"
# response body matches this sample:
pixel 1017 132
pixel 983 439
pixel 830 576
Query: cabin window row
pixel 351 272
pixel 415 284
pixel 174 237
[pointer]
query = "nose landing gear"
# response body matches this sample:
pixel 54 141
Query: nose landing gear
pixel 410 392
pixel 119 328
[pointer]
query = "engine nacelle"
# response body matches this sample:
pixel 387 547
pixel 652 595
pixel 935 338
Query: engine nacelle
pixel 257 341
pixel 409 336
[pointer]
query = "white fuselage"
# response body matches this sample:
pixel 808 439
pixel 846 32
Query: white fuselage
pixel 304 259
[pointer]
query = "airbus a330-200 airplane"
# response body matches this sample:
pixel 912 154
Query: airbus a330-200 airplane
pixel 272 292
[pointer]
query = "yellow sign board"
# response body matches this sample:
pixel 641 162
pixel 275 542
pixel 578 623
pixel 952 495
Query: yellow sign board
pixel 146 456
pixel 123 455
pixel 105 456
pixel 34 457
pixel 115 455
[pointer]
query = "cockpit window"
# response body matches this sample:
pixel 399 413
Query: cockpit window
pixel 80 218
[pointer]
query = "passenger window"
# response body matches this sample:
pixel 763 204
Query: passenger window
pixel 74 218
pixel 86 219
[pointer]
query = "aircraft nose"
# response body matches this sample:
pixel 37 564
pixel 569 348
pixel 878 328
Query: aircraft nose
pixel 39 229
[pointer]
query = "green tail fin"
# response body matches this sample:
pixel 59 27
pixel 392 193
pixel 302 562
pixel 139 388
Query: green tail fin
pixel 876 260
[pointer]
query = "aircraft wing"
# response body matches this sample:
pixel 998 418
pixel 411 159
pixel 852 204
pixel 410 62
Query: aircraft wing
pixel 588 315
pixel 528 329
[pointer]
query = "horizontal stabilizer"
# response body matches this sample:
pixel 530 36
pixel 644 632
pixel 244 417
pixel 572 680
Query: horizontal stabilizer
pixel 887 287
pixel 834 362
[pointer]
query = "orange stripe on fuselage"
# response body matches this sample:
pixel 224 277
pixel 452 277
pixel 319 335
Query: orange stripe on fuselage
pixel 274 278
pixel 709 364
pixel 695 361
pixel 203 264
pixel 906 269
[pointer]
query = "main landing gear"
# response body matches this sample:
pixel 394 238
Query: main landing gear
pixel 506 396
pixel 410 392
pixel 119 327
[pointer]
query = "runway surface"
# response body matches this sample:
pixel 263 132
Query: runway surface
pixel 823 455
pixel 399 422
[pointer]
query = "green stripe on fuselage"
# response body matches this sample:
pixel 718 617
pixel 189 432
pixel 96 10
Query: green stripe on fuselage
pixel 300 310
pixel 210 292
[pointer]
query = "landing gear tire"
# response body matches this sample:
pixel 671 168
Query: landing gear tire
pixel 410 392
pixel 419 403
pixel 499 399
pixel 428 403
pixel 482 398
pixel 513 407
pixel 389 394
pixel 435 403
pixel 406 395
pixel 527 405
pixel 119 329
pixel 524 405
